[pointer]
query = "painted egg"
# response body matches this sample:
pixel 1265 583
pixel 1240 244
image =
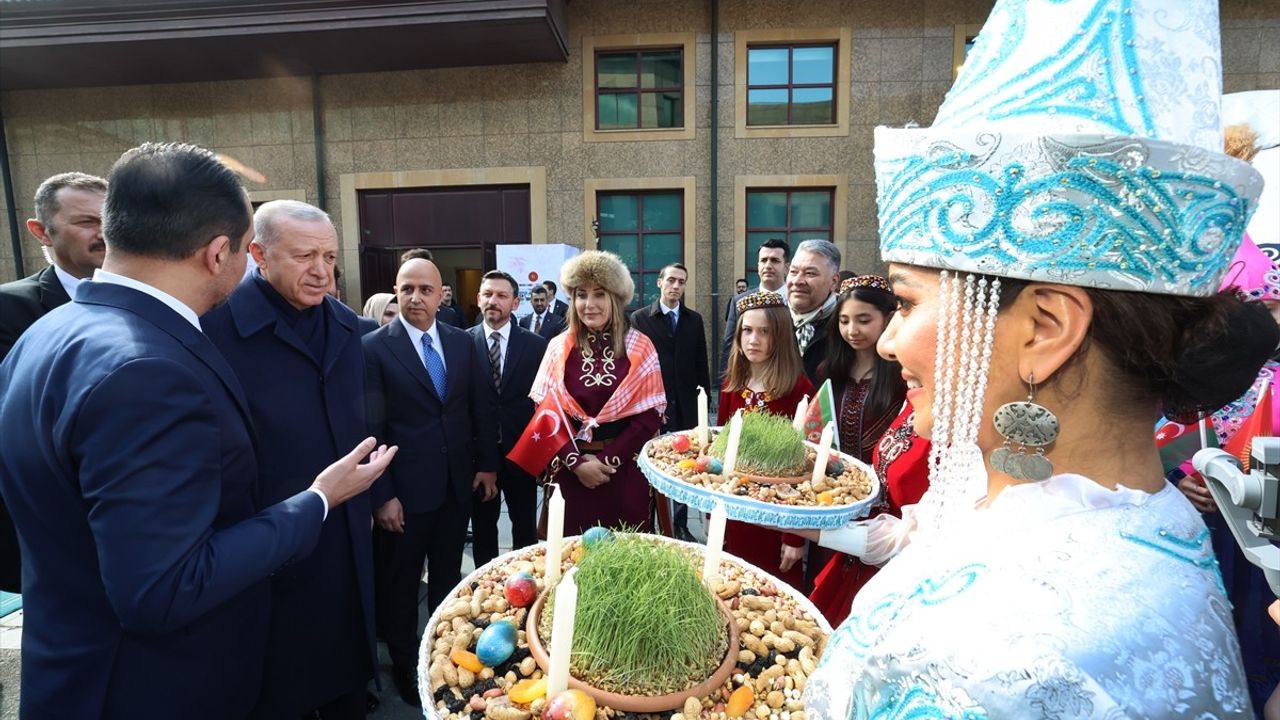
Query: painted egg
pixel 680 443
pixel 715 466
pixel 496 643
pixel 596 535
pixel 520 589
pixel 702 463
pixel 687 464
pixel 835 466
pixel 570 705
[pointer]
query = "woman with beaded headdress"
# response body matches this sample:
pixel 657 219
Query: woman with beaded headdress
pixel 605 376
pixel 1055 241
pixel 764 373
pixel 875 427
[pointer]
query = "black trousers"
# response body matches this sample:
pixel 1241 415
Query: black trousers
pixel 437 538
pixel 521 494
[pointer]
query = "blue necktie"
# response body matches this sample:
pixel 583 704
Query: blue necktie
pixel 674 319
pixel 435 365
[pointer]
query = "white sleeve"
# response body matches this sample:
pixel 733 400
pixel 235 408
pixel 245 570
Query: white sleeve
pixel 874 540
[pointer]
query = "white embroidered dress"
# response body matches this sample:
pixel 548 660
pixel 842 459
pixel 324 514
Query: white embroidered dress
pixel 1060 600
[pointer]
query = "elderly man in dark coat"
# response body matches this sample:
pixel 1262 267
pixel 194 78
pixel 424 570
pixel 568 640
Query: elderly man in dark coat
pixel 297 352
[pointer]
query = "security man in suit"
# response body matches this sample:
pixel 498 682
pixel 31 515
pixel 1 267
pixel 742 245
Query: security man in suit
pixel 558 306
pixel 68 224
pixel 425 387
pixel 542 321
pixel 511 356
pixel 131 473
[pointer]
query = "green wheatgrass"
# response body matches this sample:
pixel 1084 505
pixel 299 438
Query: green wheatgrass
pixel 645 624
pixel 769 446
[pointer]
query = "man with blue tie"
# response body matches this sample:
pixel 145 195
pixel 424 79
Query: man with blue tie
pixel 130 467
pixel 426 388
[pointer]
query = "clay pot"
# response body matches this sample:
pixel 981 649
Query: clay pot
pixel 637 703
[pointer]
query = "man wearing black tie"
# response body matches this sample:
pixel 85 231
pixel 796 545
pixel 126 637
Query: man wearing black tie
pixel 542 321
pixel 558 306
pixel 510 357
pixel 680 337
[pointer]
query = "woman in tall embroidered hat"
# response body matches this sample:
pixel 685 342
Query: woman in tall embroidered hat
pixel 874 427
pixel 606 378
pixel 765 373
pixel 1056 240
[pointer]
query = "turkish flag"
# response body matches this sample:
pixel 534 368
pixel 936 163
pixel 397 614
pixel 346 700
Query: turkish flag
pixel 546 433
pixel 1257 425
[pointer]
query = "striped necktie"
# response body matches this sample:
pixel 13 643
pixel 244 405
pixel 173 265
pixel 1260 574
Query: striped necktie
pixel 495 358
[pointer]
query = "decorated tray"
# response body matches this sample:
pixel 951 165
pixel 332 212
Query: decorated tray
pixel 777 638
pixel 846 495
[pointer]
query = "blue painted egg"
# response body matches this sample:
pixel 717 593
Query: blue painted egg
pixel 716 466
pixel 835 466
pixel 596 535
pixel 496 643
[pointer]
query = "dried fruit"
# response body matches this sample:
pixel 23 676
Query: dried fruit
pixel 466 660
pixel 740 701
pixel 526 691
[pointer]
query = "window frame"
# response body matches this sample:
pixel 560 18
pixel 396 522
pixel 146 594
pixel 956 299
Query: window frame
pixel 786 233
pixel 840 37
pixel 638 90
pixel 791 85
pixel 594 45
pixel 839 184
pixel 639 233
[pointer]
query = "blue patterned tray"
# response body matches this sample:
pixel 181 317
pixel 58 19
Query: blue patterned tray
pixel 759 512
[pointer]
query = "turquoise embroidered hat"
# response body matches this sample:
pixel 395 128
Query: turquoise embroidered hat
pixel 1081 144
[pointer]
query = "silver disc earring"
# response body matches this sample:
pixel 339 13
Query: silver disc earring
pixel 1027 425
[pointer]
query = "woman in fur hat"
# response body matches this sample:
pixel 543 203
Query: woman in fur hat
pixel 605 377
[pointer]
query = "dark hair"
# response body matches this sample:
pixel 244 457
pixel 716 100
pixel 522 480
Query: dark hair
pixel 415 254
pixel 499 275
pixel 678 266
pixel 1189 354
pixel 887 385
pixel 538 290
pixel 740 280
pixel 169 200
pixel 847 274
pixel 550 286
pixel 775 243
pixel 46 200
pixel 444 285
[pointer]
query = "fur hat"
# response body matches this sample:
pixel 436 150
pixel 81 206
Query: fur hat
pixel 597 267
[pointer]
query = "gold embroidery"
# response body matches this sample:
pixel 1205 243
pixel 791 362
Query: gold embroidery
pixel 756 401
pixel 605 377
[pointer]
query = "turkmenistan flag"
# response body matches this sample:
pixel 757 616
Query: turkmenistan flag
pixel 822 410
pixel 1178 442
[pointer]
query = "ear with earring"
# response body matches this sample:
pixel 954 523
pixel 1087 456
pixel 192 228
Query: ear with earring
pixel 1027 425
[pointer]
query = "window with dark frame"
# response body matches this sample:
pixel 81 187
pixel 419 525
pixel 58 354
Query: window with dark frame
pixel 791 84
pixel 639 89
pixel 793 215
pixel 646 230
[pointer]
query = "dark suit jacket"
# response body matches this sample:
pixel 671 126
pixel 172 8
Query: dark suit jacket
pixel 443 442
pixel 816 353
pixel 552 325
pixel 560 308
pixel 519 367
pixel 22 302
pixel 308 414
pixel 449 315
pixel 130 471
pixel 682 356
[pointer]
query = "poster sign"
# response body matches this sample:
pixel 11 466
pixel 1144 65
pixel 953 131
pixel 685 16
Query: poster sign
pixel 532 264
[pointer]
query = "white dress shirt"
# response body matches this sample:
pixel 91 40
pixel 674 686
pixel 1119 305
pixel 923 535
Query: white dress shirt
pixel 415 335
pixel 174 303
pixel 69 281
pixel 504 337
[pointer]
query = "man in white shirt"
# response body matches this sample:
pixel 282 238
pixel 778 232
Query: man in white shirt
pixel 542 321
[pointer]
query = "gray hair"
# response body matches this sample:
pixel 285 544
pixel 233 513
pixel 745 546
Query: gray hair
pixel 267 214
pixel 825 248
pixel 46 200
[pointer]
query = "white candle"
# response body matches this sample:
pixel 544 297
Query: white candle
pixel 562 635
pixel 801 411
pixel 555 535
pixel 715 541
pixel 824 452
pixel 704 430
pixel 731 452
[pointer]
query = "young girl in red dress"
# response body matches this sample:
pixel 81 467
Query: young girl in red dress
pixel 765 374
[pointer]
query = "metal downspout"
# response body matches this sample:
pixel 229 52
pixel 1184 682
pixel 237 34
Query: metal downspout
pixel 715 311
pixel 317 126
pixel 15 239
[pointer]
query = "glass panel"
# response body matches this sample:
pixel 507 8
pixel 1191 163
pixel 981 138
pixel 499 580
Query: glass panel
pixel 662 249
pixel 800 236
pixel 766 107
pixel 617 212
pixel 766 209
pixel 616 70
pixel 811 209
pixel 624 246
pixel 662 211
pixel 661 110
pixel 767 66
pixel 755 240
pixel 661 69
pixel 647 289
pixel 616 111
pixel 753 280
pixel 812 106
pixel 812 65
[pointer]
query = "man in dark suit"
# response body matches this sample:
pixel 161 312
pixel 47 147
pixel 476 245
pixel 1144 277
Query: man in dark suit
pixel 772 263
pixel 297 352
pixel 541 321
pixel 739 287
pixel 679 335
pixel 68 224
pixel 558 306
pixel 812 282
pixel 130 470
pixel 425 387
pixel 449 311
pixel 510 357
